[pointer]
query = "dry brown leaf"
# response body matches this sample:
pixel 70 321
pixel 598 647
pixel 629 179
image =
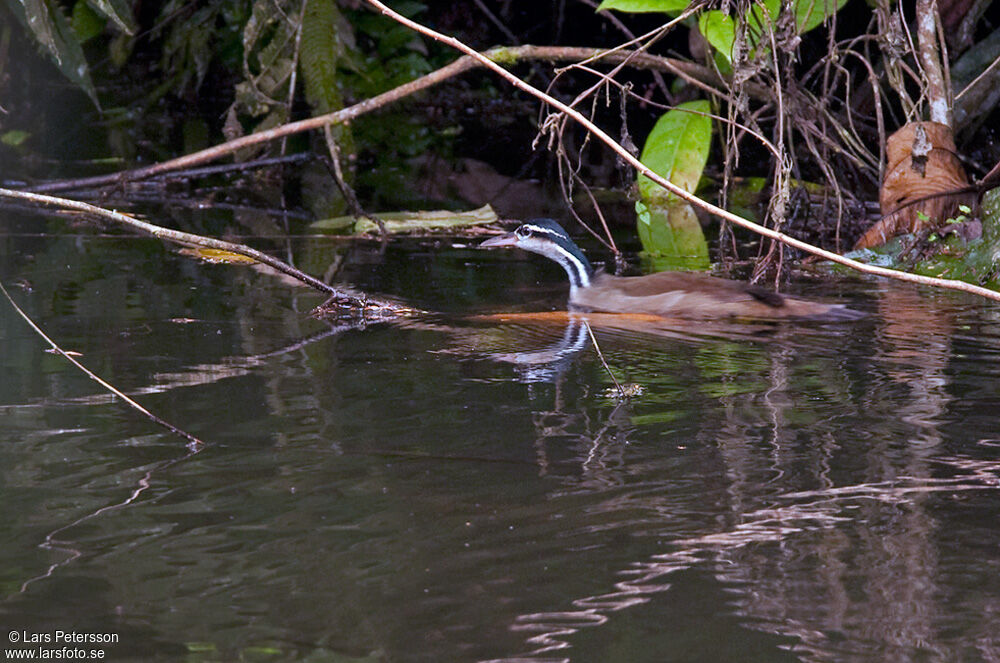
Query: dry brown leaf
pixel 899 145
pixel 922 162
pixel 217 256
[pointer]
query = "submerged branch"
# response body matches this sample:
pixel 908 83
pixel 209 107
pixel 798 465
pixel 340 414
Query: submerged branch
pixel 670 186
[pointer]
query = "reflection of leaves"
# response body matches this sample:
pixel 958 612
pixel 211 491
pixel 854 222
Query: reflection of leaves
pixel 921 162
pixel 672 237
pixel 677 148
pixel 53 31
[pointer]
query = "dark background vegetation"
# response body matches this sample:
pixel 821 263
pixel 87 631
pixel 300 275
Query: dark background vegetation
pixel 179 84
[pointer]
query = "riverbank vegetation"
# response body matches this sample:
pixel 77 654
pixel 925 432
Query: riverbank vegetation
pixel 779 112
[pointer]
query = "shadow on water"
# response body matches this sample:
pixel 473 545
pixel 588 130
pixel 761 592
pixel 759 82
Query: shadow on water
pixel 455 487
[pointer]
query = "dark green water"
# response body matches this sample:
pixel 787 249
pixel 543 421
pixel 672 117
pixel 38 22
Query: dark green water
pixel 437 491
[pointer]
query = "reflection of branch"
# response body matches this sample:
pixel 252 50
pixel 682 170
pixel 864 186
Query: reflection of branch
pixel 52 543
pixel 601 135
pixel 788 515
pixel 600 355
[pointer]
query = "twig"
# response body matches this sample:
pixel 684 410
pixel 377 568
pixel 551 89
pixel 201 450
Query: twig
pixel 673 188
pixel 337 172
pixel 614 20
pixel 600 355
pixel 497 23
pixel 193 441
pixel 225 168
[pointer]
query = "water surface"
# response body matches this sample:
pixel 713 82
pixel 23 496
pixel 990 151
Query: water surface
pixel 454 489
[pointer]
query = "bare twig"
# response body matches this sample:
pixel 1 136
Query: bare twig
pixel 600 355
pixel 670 186
pixel 614 20
pixel 337 172
pixel 193 441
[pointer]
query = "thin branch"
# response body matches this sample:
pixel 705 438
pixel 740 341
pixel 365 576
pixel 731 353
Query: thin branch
pixel 600 355
pixel 670 186
pixel 337 172
pixel 193 441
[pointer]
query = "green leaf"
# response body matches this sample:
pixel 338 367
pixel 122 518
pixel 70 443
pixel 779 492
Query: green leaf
pixel 642 213
pixel 14 137
pixel 811 13
pixel 719 30
pixel 86 23
pixel 35 15
pixel 118 12
pixel 642 6
pixel 677 148
pixel 53 31
pixel 323 46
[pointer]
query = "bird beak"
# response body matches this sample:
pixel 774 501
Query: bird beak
pixel 506 239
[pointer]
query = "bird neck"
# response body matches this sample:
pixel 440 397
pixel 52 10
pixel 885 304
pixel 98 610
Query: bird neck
pixel 577 267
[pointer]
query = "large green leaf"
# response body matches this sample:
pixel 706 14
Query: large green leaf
pixel 643 6
pixel 719 28
pixel 323 46
pixel 53 31
pixel 677 148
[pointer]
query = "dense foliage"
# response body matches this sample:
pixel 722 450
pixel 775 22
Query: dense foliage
pixel 800 93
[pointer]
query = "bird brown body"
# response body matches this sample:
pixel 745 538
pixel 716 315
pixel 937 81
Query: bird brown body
pixel 692 295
